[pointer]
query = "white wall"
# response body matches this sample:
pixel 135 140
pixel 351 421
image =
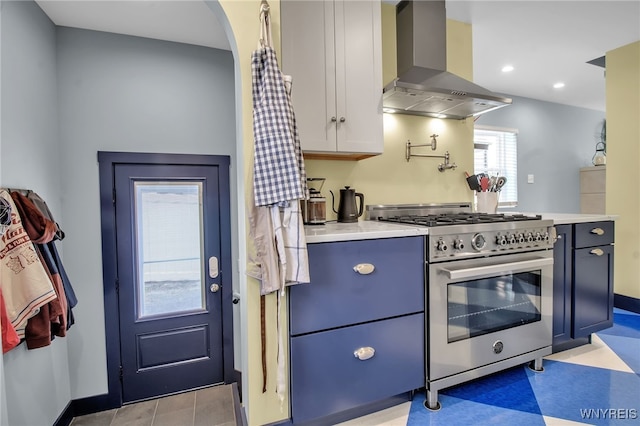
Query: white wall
pixel 554 142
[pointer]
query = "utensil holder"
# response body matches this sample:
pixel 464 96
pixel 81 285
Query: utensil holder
pixel 487 202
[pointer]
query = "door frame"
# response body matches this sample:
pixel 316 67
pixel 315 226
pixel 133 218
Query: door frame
pixel 106 162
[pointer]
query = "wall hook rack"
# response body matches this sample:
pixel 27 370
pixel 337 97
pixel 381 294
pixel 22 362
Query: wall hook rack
pixel 442 166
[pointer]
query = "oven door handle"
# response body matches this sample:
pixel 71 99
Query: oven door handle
pixel 459 274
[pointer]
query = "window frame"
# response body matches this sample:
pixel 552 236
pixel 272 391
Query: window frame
pixel 512 178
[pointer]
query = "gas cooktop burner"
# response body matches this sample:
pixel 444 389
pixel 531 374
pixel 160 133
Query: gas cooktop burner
pixel 457 218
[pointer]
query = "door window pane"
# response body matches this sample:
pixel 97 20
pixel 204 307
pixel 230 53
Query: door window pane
pixel 169 248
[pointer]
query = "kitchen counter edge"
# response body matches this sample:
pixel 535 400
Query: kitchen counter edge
pixel 361 230
pixel 569 218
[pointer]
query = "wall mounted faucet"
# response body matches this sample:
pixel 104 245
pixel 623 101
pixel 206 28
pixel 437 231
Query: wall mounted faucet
pixel 441 167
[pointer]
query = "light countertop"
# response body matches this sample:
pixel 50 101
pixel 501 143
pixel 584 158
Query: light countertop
pixel 371 229
pixel 361 230
pixel 567 218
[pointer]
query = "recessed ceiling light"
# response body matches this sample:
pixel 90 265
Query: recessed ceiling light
pixel 507 68
pixel 559 85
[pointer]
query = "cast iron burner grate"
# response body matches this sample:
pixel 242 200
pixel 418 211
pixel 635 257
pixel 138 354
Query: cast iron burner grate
pixel 458 218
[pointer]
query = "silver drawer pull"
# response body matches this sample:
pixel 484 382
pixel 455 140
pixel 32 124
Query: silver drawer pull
pixel 364 268
pixel 364 353
pixel 597 231
pixel 597 252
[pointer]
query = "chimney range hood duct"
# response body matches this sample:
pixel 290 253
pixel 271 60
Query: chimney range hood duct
pixel 423 86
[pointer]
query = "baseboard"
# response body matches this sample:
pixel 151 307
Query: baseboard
pixel 237 378
pixel 65 418
pixel 627 303
pixel 352 413
pixel 94 404
pixel 570 344
pixel 241 416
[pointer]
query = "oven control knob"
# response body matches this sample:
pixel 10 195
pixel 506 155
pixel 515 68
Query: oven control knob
pixel 498 346
pixel 441 246
pixel 458 244
pixel 478 242
pixel 538 236
pixel 520 238
pixel 529 237
pixel 501 240
pixel 545 236
pixel 512 239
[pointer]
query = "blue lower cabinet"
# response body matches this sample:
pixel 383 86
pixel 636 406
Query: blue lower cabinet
pixel 338 295
pixel 562 285
pixel 592 290
pixel 340 369
pixel 582 282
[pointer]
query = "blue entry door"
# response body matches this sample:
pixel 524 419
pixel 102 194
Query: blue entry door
pixel 171 249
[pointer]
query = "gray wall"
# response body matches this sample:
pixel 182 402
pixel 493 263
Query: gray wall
pixel 120 93
pixel 554 142
pixel 30 159
pixel 66 94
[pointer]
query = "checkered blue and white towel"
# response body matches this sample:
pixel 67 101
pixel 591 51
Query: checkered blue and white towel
pixel 279 173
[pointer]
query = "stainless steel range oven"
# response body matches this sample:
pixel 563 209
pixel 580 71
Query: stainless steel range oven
pixel 489 290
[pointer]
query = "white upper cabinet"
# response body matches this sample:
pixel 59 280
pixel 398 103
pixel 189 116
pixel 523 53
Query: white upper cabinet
pixel 333 51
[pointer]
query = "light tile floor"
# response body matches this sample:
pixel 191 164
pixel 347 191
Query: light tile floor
pixel 596 384
pixel 212 406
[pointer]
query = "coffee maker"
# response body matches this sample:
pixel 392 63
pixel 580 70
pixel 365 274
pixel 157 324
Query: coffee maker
pixel 314 210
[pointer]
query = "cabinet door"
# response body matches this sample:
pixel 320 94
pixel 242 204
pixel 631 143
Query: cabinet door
pixel 592 290
pixel 591 234
pixel 562 284
pixel 327 377
pixel 333 51
pixel 308 55
pixel 359 76
pixel 338 295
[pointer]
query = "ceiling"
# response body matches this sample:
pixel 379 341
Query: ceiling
pixel 545 41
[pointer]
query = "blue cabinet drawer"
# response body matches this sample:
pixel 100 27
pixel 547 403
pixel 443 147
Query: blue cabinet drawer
pixel 327 378
pixel 593 234
pixel 338 295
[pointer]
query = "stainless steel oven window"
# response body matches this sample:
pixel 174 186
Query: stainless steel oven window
pixel 487 305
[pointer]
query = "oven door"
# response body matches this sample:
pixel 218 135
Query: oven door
pixel 482 311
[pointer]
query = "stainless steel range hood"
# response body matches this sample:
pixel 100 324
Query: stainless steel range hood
pixel 423 86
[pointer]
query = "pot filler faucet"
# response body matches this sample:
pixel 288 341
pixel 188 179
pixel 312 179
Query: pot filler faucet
pixel 442 166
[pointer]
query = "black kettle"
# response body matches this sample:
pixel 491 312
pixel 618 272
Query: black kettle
pixel 347 209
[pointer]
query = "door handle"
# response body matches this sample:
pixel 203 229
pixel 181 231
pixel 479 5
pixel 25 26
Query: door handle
pixel 480 271
pixel 214 288
pixel 364 268
pixel 213 267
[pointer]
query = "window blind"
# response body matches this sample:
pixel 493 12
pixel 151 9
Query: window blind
pixel 496 154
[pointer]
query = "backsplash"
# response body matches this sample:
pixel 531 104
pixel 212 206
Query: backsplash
pixel 389 179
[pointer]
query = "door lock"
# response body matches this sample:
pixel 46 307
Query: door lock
pixel 214 288
pixel 213 267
